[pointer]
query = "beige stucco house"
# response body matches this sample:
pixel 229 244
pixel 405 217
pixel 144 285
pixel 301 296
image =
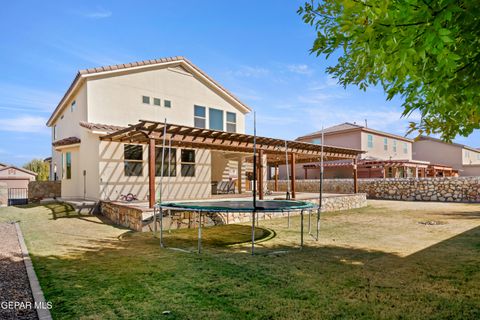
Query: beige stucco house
pixel 15 177
pixel 103 100
pixel 463 158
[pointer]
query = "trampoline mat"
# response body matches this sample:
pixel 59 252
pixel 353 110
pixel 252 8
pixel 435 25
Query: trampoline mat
pixel 241 205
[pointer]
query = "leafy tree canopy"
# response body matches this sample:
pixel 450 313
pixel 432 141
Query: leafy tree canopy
pixel 40 167
pixel 427 52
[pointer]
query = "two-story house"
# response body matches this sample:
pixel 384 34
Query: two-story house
pixel 102 100
pixel 460 157
pixel 386 155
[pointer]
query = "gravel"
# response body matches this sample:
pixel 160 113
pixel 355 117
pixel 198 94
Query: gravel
pixel 14 284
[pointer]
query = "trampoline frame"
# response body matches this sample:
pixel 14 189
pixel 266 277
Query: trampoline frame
pixel 199 211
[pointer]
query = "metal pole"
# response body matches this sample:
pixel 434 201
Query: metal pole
pixel 309 223
pixel 301 229
pixel 254 179
pixel 200 232
pixel 154 222
pixel 288 174
pixel 161 228
pixel 320 193
pixel 253 231
pixel 169 221
pixel 288 219
pixel 160 191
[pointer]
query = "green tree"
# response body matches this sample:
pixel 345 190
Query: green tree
pixel 425 51
pixel 40 167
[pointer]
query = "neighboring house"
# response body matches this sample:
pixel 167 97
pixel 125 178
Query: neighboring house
pixel 16 177
pixel 102 100
pixel 463 158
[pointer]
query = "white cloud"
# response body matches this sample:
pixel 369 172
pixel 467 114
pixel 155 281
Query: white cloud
pixel 99 13
pixel 94 56
pixel 25 124
pixel 250 72
pixel 24 98
pixel 300 69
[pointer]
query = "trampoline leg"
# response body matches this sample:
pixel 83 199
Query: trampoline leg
pixel 309 222
pixel 161 228
pixel 169 221
pixel 301 229
pixel 288 220
pixel 253 232
pixel 154 222
pixel 318 224
pixel 200 232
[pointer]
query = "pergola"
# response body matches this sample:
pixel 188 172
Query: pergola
pixel 274 150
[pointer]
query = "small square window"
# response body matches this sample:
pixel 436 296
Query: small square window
pixel 156 101
pixel 146 99
pixel 167 103
pixel 73 105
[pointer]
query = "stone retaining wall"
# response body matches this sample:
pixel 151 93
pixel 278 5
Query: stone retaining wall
pixel 38 190
pixel 140 220
pixel 3 194
pixel 448 189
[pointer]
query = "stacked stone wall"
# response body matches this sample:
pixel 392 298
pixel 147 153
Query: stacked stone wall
pixel 38 190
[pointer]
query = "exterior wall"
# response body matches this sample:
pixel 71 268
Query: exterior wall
pixel 378 150
pixel 117 100
pixel 451 189
pixel 470 157
pixel 471 170
pixel 38 190
pixel 113 182
pixel 14 178
pixel 342 139
pixel 438 153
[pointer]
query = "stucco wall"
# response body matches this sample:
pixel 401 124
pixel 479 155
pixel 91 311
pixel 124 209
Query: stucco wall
pixel 438 153
pixel 378 150
pixel 451 189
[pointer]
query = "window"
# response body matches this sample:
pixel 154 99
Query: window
pixel 188 163
pixel 133 160
pixel 156 101
pixel 167 103
pixel 467 154
pixel 215 120
pixel 370 141
pixel 317 141
pixel 168 165
pixel 231 122
pixel 73 105
pixel 394 145
pixel 200 117
pixel 146 99
pixel 68 165
pixel 405 147
pixel 478 156
pixel 54 133
pixel 385 144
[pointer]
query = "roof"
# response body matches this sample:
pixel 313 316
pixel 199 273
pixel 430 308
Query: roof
pixel 66 142
pixel 348 127
pixel 19 169
pixel 100 127
pixel 428 138
pixel 170 61
pixel 228 141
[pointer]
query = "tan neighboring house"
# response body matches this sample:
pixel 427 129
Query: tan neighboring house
pixel 463 158
pixel 103 100
pixel 15 177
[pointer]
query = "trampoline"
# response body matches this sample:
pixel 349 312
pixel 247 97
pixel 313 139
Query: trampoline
pixel 201 208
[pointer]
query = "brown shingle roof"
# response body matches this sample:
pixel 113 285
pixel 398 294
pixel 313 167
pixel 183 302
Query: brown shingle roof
pixel 119 67
pixel 100 126
pixel 66 141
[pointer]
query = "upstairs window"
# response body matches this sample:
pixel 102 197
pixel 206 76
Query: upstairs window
pixel 370 141
pixel 73 105
pixel 133 160
pixel 231 122
pixel 200 117
pixel 188 163
pixel 146 99
pixel 317 141
pixel 54 132
pixel 215 119
pixel 68 165
pixel 405 148
pixel 169 162
pixel 167 103
pixel 394 145
pixel 156 101
pixel 385 144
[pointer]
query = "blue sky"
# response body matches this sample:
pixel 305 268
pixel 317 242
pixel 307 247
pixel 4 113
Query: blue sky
pixel 256 49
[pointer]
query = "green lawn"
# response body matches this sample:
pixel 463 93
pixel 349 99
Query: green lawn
pixel 378 262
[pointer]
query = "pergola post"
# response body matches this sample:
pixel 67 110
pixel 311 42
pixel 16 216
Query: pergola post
pixel 293 173
pixel 151 172
pixel 240 175
pixel 276 177
pixel 355 176
pixel 260 174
